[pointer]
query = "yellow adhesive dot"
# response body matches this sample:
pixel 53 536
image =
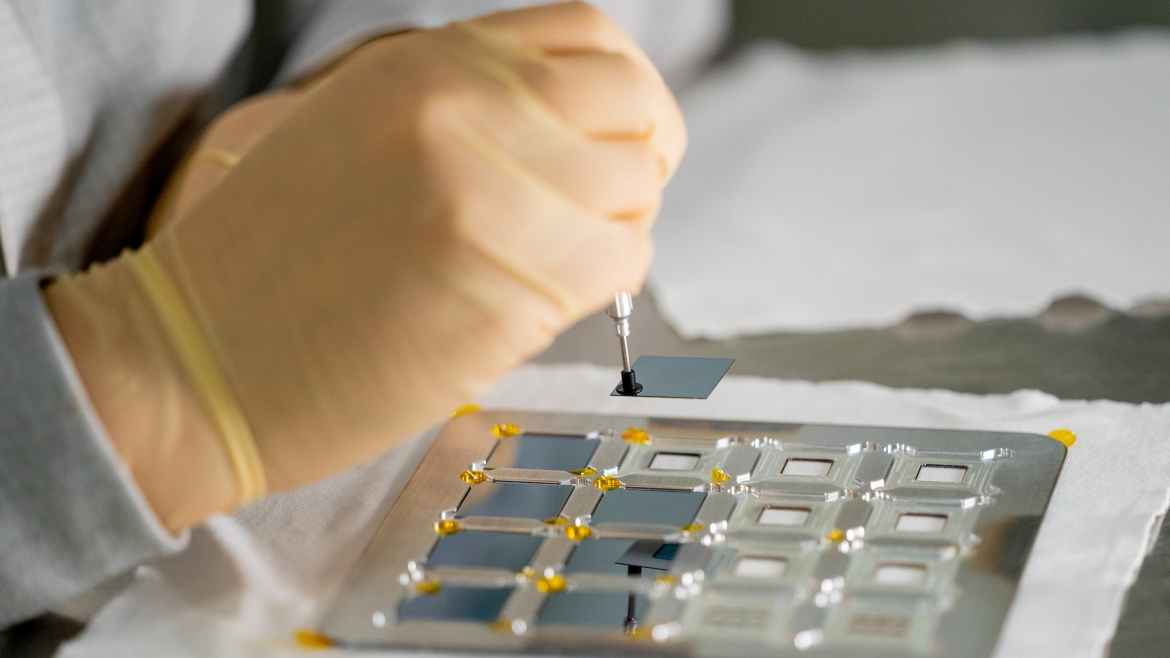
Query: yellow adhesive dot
pixel 1067 437
pixel 584 472
pixel 556 520
pixel 551 584
pixel 578 532
pixel 693 527
pixel 505 430
pixel 718 476
pixel 528 572
pixel 607 483
pixel 665 579
pixel 466 409
pixel 313 640
pixel 836 535
pixel 501 626
pixel 635 435
pixel 428 587
pixel 447 527
pixel 473 477
pixel 638 633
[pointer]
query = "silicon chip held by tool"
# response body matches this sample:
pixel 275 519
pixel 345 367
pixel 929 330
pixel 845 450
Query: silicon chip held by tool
pixel 678 376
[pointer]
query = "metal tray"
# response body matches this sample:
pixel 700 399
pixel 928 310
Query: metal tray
pixel 588 534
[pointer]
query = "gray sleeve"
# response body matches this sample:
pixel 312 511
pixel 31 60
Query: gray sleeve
pixel 71 515
pixel 333 28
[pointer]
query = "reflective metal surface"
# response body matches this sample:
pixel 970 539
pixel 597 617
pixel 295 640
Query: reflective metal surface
pixel 899 542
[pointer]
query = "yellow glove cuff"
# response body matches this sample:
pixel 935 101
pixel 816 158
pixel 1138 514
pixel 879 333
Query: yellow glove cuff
pixel 195 354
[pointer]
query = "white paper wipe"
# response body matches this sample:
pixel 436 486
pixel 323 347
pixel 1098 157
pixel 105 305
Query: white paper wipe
pixel 247 582
pixel 826 192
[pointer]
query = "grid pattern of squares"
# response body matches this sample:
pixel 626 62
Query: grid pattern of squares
pixel 759 542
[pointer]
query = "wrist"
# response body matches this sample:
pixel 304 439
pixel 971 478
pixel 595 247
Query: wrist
pixel 137 386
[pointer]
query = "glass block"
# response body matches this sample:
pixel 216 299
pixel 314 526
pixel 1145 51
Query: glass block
pixel 639 506
pixel 808 467
pixel 515 499
pixel 674 461
pixel 923 523
pixel 484 549
pixel 900 575
pixel 453 603
pixel 760 567
pixel 784 516
pixel 678 376
pixel 949 473
pixel 593 609
pixel 543 452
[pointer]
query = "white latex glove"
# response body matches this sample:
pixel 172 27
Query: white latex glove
pixel 428 216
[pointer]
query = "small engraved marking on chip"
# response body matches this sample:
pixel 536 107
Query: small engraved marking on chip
pixel 879 625
pixel 760 567
pixel 921 523
pixel 809 467
pixel 674 461
pixel 735 618
pixel 789 516
pixel 949 473
pixel 900 575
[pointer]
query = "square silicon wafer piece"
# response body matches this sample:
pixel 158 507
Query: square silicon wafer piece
pixel 678 376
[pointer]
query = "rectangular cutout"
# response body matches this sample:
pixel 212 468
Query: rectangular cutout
pixel 900 575
pixel 807 467
pixel 784 516
pixel 921 523
pixel 674 461
pixel 760 567
pixel 949 473
pixel 880 625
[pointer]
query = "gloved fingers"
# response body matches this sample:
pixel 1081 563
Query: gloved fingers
pixel 605 95
pixel 575 28
pixel 543 237
pixel 617 179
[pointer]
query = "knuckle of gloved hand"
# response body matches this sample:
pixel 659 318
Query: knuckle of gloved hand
pixel 594 26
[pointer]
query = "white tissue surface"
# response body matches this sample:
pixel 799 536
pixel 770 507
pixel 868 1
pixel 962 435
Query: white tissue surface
pixel 824 192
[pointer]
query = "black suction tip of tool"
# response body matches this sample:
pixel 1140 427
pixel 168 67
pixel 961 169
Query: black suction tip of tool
pixel 629 385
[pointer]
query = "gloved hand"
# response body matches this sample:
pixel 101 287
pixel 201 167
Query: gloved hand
pixel 430 215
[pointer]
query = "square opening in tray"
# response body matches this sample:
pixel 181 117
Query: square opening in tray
pixel 900 575
pixel 675 508
pixel 593 609
pixel 807 467
pixel 484 549
pixel 515 499
pixel 674 461
pixel 455 603
pixel 948 473
pixel 760 567
pixel 921 523
pixel 784 516
pixel 542 452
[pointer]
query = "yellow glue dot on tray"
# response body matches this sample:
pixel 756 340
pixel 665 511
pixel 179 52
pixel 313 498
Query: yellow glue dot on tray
pixel 504 430
pixel 428 587
pixel 584 472
pixel 693 527
pixel 635 435
pixel 473 477
pixel 1067 437
pixel 836 535
pixel 718 476
pixel 528 572
pixel 313 640
pixel 551 584
pixel 466 409
pixel 578 532
pixel 607 483
pixel 556 520
pixel 447 527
